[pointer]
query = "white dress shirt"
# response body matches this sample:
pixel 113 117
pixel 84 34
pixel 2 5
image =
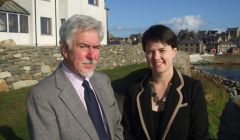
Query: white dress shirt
pixel 77 84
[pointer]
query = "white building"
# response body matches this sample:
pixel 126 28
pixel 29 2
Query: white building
pixel 37 22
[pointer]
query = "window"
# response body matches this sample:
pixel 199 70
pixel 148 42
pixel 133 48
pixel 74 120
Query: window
pixel 46 25
pixel 3 22
pixel 93 2
pixel 62 20
pixel 23 24
pixel 13 23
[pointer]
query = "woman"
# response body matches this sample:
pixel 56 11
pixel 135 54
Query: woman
pixel 161 102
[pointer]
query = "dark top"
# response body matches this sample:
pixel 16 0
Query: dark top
pixel 184 117
pixel 229 128
pixel 157 119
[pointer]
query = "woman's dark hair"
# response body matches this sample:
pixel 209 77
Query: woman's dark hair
pixel 159 33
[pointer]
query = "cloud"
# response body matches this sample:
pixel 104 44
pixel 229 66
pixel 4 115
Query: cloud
pixel 218 29
pixel 190 22
pixel 126 29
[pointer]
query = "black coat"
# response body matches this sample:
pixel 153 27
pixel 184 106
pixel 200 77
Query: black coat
pixel 184 118
pixel 230 120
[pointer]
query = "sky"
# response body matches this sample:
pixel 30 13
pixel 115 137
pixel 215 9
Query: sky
pixel 127 17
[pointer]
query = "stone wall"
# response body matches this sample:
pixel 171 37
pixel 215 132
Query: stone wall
pixel 222 59
pixel 23 66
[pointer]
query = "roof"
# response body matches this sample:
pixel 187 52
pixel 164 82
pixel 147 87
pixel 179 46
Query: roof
pixel 13 7
pixel 232 29
pixel 227 43
pixel 191 41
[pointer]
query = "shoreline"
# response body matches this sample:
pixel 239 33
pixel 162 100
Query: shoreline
pixel 211 63
pixel 229 84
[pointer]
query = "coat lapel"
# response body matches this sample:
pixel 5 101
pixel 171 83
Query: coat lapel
pixel 173 103
pixel 143 101
pixel 73 103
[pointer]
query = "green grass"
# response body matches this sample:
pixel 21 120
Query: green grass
pixel 216 97
pixel 13 123
pixel 13 117
pixel 119 72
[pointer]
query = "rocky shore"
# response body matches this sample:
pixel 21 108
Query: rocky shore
pixel 232 86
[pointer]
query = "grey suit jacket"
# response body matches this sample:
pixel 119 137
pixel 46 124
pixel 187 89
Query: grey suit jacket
pixel 56 112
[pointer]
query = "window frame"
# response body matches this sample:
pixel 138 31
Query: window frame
pixel 62 20
pixel 46 25
pixel 23 24
pixel 13 23
pixel 93 2
pixel 3 14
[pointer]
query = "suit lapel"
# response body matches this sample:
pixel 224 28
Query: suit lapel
pixel 73 103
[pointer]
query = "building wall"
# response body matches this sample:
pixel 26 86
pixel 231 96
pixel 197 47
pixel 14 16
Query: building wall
pixel 65 9
pixel 99 12
pixel 19 38
pixel 190 49
pixel 46 9
pixel 82 7
pixel 29 6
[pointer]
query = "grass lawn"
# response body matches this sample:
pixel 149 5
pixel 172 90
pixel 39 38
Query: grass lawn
pixel 13 125
pixel 216 97
pixel 13 120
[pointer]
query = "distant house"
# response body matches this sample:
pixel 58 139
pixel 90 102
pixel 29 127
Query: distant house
pixel 211 41
pixel 192 46
pixel 37 22
pixel 185 34
pixel 212 32
pixel 236 41
pixel 225 36
pixel 224 47
pixel 234 50
pixel 201 33
pixel 213 51
pixel 234 32
pixel 136 38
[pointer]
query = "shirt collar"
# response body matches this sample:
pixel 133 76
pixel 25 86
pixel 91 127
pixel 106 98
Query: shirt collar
pixel 71 74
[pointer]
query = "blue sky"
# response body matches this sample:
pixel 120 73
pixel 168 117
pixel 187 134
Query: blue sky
pixel 134 16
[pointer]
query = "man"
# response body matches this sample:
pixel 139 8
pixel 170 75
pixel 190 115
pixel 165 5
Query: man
pixel 75 103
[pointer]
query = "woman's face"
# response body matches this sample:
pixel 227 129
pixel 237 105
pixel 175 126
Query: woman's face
pixel 160 56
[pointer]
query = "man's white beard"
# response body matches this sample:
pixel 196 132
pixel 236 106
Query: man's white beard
pixel 89 73
pixel 86 74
